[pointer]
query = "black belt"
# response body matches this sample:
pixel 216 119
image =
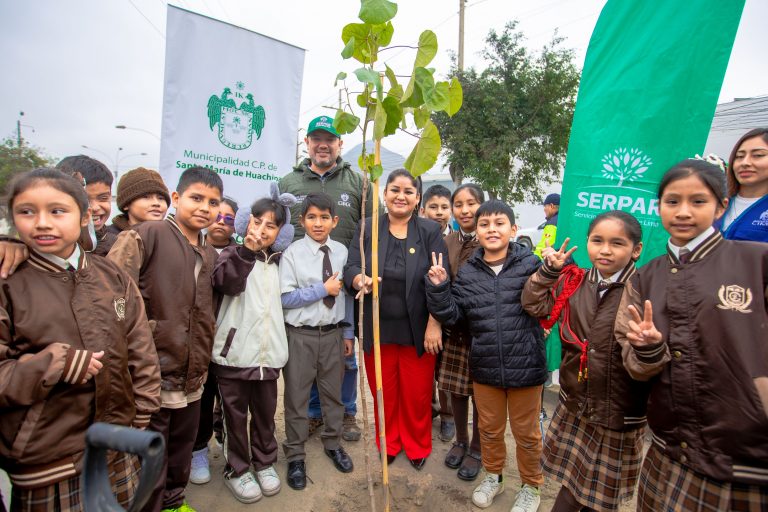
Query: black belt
pixel 316 328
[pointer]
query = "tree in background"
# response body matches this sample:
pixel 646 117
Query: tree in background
pixel 511 134
pixel 15 159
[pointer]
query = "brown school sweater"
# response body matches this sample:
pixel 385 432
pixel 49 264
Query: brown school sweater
pixel 51 321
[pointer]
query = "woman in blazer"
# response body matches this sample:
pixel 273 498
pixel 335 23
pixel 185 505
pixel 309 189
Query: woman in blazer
pixel 410 338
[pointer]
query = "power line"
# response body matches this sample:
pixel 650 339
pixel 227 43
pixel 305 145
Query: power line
pixel 223 9
pixel 148 20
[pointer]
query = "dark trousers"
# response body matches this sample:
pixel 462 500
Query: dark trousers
pixel 239 396
pixel 314 356
pixel 210 413
pixel 179 429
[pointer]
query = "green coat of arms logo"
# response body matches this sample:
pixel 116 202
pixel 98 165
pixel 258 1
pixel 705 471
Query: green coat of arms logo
pixel 236 124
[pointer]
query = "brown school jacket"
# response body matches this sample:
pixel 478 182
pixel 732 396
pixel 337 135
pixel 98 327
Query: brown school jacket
pixel 51 321
pixel 708 407
pixel 459 252
pixel 157 255
pixel 609 396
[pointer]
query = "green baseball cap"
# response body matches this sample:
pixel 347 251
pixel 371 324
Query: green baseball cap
pixel 322 123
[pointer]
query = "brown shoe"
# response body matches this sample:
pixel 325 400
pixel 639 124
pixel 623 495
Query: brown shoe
pixel 314 425
pixel 351 430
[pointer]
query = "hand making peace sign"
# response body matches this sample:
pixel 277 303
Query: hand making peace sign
pixel 642 331
pixel 437 273
pixel 556 259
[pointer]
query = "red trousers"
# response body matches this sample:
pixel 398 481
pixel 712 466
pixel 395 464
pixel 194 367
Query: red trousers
pixel 407 387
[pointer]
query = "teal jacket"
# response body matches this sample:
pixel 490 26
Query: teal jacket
pixel 345 187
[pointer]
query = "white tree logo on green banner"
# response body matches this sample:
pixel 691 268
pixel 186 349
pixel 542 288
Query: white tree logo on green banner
pixel 624 164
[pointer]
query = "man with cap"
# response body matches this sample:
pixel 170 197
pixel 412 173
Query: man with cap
pixel 551 208
pixel 325 171
pixel 552 343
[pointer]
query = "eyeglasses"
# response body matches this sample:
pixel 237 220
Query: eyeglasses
pixel 229 220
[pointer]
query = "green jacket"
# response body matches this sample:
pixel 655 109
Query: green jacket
pixel 345 187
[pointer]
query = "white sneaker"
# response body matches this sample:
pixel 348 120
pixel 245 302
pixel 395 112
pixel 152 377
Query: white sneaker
pixel 200 472
pixel 484 493
pixel 528 499
pixel 269 481
pixel 244 487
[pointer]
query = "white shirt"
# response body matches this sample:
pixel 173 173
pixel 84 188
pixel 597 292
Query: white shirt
pixel 73 260
pixel 693 243
pixel 740 205
pixel 301 266
pixel 613 279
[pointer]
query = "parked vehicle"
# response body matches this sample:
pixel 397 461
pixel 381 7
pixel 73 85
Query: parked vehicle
pixel 529 237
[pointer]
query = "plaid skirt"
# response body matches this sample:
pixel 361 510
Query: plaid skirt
pixel 66 495
pixel 453 372
pixel 597 465
pixel 666 485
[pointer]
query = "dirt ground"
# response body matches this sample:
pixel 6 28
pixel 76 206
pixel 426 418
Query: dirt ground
pixel 434 488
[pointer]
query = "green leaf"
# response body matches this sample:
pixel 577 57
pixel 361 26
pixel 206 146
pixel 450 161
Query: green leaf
pixel 356 35
pixel 368 76
pixel 390 76
pixel 394 112
pixel 365 165
pixel 427 49
pixel 424 79
pixel 379 121
pixel 426 151
pixel 377 11
pixel 349 49
pixel 420 117
pixel 412 97
pixel 362 98
pixel 344 122
pixel 376 172
pixel 437 98
pixel 396 92
pixel 367 40
pixel 341 76
pixel 455 96
pixel 384 33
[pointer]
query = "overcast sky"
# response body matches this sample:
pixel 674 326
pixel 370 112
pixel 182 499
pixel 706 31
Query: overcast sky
pixel 77 68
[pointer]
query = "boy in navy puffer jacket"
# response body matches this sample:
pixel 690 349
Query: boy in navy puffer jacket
pixel 507 359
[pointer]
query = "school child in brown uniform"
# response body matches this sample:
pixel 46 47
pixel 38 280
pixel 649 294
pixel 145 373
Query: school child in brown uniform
pixel 220 236
pixel 436 206
pixel 141 196
pixel 453 373
pixel 98 185
pixel 87 357
pixel 595 440
pixel 172 265
pixel 701 340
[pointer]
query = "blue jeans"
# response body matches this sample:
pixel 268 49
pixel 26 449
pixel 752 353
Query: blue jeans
pixel 348 391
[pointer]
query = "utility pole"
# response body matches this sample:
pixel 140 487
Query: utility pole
pixel 461 35
pixel 18 132
pixel 456 172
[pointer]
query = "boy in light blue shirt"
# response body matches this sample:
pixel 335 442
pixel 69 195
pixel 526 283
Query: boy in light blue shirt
pixel 318 316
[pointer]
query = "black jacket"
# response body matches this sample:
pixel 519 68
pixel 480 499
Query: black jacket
pixel 424 237
pixel 507 344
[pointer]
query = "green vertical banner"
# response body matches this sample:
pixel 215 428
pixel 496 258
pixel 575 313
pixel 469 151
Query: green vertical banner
pixel 648 92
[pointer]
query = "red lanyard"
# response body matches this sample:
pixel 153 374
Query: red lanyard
pixel 571 278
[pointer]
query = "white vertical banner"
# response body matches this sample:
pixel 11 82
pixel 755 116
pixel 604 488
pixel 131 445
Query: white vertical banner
pixel 230 103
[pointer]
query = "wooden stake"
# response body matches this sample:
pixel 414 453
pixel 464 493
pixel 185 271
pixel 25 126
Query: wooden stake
pixel 376 332
pixel 361 360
